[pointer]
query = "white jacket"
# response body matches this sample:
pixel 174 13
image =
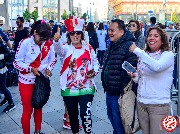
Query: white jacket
pixel 30 55
pixel 154 76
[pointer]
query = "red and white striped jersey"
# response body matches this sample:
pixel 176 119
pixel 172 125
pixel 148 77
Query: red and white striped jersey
pixel 30 55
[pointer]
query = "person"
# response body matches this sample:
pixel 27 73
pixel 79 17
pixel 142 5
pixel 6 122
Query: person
pixel 34 54
pixel 5 37
pixel 114 78
pixel 55 28
pixel 21 33
pixel 93 40
pixel 134 27
pixel 73 56
pixel 152 23
pixel 4 55
pixel 154 76
pixel 101 35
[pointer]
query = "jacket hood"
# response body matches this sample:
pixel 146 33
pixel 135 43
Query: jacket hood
pixel 128 36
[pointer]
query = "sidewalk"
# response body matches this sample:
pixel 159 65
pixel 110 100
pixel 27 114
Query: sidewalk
pixel 10 123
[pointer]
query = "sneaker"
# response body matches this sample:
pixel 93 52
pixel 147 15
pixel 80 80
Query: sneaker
pixel 9 108
pixel 80 127
pixel 3 102
pixel 67 125
pixel 64 117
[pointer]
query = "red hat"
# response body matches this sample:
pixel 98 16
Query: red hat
pixel 74 24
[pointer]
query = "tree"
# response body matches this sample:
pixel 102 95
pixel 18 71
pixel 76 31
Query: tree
pixel 26 15
pixel 175 17
pixel 84 16
pixel 34 15
pixel 64 15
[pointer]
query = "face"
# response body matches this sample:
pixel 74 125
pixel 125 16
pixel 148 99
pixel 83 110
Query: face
pixel 133 27
pixel 19 23
pixel 75 37
pixel 38 40
pixel 114 32
pixel 154 40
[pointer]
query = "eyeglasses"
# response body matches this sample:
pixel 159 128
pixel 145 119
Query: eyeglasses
pixel 132 25
pixel 75 32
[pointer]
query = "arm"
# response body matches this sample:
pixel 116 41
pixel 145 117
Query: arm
pixel 59 48
pixel 19 58
pixel 52 59
pixel 166 60
pixel 95 62
pixel 5 38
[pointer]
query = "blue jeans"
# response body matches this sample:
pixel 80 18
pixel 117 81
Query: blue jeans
pixel 114 113
pixel 4 89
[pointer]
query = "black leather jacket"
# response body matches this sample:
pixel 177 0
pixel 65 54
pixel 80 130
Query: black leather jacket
pixel 4 50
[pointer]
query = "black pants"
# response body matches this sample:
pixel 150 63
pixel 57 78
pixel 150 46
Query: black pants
pixel 100 56
pixel 85 102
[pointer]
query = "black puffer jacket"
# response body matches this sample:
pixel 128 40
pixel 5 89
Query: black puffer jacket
pixel 4 50
pixel 114 77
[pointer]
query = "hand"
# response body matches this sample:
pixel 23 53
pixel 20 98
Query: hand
pixel 132 47
pixel 35 71
pixel 90 74
pixel 56 37
pixel 48 73
pixel 133 75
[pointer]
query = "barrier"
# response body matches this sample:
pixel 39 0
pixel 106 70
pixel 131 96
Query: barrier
pixel 174 44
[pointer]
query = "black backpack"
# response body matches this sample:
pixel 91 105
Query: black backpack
pixel 41 91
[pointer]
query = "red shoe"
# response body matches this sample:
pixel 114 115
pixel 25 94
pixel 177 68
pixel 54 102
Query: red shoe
pixel 67 125
pixel 80 127
pixel 64 117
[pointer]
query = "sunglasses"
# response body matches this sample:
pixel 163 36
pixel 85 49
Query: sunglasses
pixel 75 32
pixel 132 25
pixel 42 39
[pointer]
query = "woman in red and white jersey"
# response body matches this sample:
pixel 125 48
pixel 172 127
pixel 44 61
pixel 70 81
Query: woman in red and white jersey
pixel 34 54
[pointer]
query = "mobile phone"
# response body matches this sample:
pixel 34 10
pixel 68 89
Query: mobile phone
pixel 128 67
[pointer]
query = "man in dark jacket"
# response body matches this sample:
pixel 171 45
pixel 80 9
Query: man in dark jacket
pixel 114 77
pixel 21 32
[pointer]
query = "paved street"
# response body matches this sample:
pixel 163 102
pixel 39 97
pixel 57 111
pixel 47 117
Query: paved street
pixel 53 112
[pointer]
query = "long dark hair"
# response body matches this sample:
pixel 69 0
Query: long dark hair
pixel 90 27
pixel 164 39
pixel 101 26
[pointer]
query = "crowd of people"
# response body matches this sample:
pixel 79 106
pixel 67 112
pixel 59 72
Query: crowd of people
pixel 87 49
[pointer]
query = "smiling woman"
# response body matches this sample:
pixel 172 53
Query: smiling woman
pixel 154 77
pixel 76 77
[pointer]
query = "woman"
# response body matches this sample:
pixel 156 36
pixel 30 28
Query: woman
pixel 93 41
pixel 4 55
pixel 34 54
pixel 134 27
pixel 154 78
pixel 76 77
pixel 101 34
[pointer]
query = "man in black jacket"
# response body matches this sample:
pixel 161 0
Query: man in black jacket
pixel 114 77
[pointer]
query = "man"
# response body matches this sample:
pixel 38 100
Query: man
pixel 21 32
pixel 152 23
pixel 114 77
pixel 55 28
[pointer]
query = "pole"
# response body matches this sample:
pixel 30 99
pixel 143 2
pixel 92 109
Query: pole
pixel 136 12
pixel 50 11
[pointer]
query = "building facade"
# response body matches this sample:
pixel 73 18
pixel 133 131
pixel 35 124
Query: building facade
pixel 142 9
pixel 47 9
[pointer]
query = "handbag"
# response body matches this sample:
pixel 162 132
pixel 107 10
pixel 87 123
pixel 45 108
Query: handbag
pixel 128 110
pixel 41 91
